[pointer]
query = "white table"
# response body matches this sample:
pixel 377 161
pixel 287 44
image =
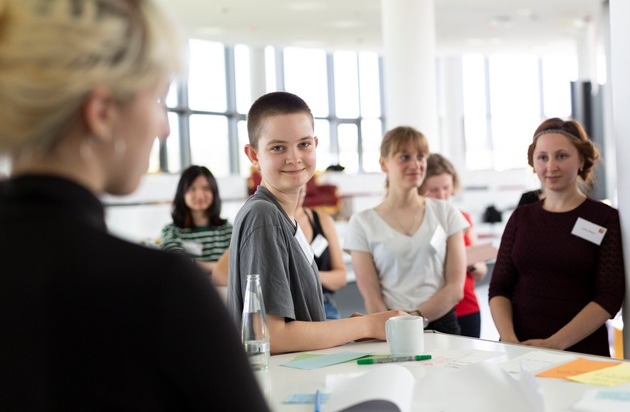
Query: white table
pixel 437 388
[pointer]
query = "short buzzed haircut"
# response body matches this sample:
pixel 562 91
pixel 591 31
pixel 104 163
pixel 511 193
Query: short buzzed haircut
pixel 273 104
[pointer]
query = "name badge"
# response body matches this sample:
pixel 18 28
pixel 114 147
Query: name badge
pixel 192 248
pixel 318 245
pixel 589 231
pixel 438 241
pixel 306 248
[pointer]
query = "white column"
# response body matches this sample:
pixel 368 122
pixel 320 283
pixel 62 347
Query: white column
pixel 258 71
pixel 451 110
pixel 620 81
pixel 409 66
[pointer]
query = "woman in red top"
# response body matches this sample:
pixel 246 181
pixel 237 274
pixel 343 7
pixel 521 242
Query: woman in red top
pixel 441 182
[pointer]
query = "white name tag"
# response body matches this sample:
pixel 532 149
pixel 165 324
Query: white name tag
pixel 192 248
pixel 318 245
pixel 306 248
pixel 589 231
pixel 438 241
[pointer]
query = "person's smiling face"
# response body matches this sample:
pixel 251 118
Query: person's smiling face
pixel 286 152
pixel 556 161
pixel 199 197
pixel 405 168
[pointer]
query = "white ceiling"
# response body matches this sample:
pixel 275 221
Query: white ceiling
pixel 461 25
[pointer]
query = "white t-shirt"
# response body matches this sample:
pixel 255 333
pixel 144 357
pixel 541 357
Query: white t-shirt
pixel 410 268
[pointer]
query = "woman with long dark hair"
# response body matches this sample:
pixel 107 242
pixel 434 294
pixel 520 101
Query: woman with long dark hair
pixel 198 228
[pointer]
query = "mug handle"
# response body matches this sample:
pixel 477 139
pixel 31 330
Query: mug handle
pixel 389 325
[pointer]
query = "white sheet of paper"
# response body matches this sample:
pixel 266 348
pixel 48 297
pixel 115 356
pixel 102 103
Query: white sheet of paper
pixel 384 388
pixel 535 361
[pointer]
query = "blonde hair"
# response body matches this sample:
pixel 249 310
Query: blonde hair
pixel 53 53
pixel 398 138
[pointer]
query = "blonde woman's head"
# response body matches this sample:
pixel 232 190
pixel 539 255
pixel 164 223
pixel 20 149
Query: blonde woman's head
pixel 53 53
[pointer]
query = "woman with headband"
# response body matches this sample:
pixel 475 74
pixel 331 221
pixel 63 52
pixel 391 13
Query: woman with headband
pixel 91 322
pixel 559 275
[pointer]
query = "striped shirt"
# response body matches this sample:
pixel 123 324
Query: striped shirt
pixel 203 243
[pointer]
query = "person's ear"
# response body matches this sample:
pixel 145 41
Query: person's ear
pixel 316 140
pixel 99 112
pixel 252 155
pixel 381 161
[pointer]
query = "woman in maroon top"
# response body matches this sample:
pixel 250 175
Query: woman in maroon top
pixel 559 274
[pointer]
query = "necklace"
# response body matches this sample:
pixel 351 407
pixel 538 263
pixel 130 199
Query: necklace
pixel 406 229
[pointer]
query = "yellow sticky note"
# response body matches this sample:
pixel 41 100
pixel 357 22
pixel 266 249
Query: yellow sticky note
pixel 615 375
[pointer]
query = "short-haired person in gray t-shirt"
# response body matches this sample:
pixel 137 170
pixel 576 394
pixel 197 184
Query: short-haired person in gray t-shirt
pixel 266 239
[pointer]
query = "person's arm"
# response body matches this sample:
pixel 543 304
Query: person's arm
pixel 367 281
pixel 501 310
pixel 454 276
pixel 220 269
pixel 477 270
pixel 296 336
pixel 217 271
pixel 502 284
pixel 335 278
pixel 169 240
pixel 587 321
pixel 208 267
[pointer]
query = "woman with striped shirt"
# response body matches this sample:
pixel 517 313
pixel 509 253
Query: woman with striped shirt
pixel 198 229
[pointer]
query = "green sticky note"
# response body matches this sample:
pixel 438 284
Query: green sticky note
pixel 315 362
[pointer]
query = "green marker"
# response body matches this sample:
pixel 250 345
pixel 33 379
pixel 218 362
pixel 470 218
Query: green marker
pixel 370 361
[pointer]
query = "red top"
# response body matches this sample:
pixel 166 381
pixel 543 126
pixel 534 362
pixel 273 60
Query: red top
pixel 469 304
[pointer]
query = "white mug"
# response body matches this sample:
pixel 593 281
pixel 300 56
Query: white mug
pixel 405 335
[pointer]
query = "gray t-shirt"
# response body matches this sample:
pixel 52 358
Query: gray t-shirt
pixel 264 242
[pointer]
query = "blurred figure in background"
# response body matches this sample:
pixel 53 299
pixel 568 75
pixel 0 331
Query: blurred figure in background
pixel 320 232
pixel 91 322
pixel 531 197
pixel 198 228
pixel 408 252
pixel 442 182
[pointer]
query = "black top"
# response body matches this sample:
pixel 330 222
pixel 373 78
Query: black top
pixel 323 260
pixel 529 197
pixel 91 322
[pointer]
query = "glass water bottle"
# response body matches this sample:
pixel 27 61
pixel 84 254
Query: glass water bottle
pixel 254 330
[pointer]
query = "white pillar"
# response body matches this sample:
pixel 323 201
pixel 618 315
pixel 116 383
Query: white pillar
pixel 409 66
pixel 620 61
pixel 257 75
pixel 451 110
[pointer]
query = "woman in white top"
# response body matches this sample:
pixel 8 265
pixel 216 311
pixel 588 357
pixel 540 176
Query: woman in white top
pixel 408 252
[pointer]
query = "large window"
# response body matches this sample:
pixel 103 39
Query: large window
pixel 207 112
pixel 504 98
